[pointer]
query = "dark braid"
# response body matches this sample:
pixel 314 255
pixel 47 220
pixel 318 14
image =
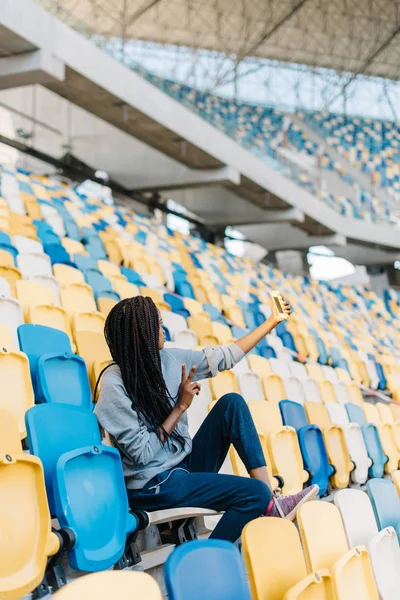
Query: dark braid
pixel 132 334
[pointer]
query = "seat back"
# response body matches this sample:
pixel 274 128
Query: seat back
pixel 98 511
pixel 89 321
pixel 54 317
pixel 384 552
pixel 357 516
pixel 293 414
pixel 352 572
pixel 250 386
pixel 311 390
pixel 276 566
pixel 385 502
pixel 385 413
pixel 371 413
pixel 16 392
pixel 322 534
pixel 210 569
pixel 36 341
pixel 266 416
pixel 31 294
pixel 92 347
pixel 11 315
pixel 10 442
pixel 198 410
pixel 224 383
pixel 222 332
pixel 67 275
pixel 77 297
pixel 355 413
pixel 259 365
pixel 54 429
pixel 274 390
pixel 173 322
pixel 317 414
pixel 104 585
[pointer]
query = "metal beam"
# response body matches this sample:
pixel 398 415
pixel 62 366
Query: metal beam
pixel 196 179
pixel 139 13
pixel 30 68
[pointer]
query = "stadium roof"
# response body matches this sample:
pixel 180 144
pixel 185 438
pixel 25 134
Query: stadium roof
pixel 354 36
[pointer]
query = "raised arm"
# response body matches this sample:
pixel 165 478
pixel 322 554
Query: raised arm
pixel 247 342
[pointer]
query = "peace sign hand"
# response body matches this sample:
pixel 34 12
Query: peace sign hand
pixel 187 389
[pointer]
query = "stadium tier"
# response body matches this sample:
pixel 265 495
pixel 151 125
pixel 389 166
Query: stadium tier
pixel 273 135
pixel 65 260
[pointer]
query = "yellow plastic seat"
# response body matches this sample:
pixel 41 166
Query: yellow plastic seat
pixel 322 534
pixel 200 293
pixel 335 443
pixel 194 306
pixel 6 337
pixel 222 332
pixel 105 305
pixel 316 586
pixel 113 249
pixel 371 413
pixel 51 316
pixel 200 327
pixel 92 347
pixel 208 341
pixel 343 375
pixel 259 365
pixel 315 371
pixel 125 289
pixel 224 383
pixel 235 314
pixel 355 394
pixel 214 298
pixel 27 540
pixel 395 408
pixel 6 259
pixel 390 446
pixel 139 265
pixel 77 297
pixel 88 321
pixel 73 246
pixel 327 391
pixel 353 577
pixel 122 585
pixel 273 556
pixel 31 294
pixel 396 480
pixel 12 274
pixel 67 275
pixel 273 387
pixel 282 445
pixel 98 366
pixel 108 269
pixel 385 414
pixel 16 393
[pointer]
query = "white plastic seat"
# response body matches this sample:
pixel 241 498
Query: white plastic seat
pixel 361 529
pixel 53 218
pixel 329 373
pixel 341 392
pixel 241 367
pixel 5 289
pixel 298 370
pixel 279 367
pixel 198 410
pixel 152 281
pixel 26 245
pixel 34 264
pixel 11 315
pixel 311 390
pixel 250 386
pixel 174 323
pixel 171 345
pixel 354 440
pixel 294 390
pixel 373 374
pixel 186 339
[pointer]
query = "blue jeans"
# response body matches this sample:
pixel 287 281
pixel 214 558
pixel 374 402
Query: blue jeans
pixel 196 482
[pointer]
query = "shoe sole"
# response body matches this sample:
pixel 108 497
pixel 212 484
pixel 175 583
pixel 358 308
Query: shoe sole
pixel 310 496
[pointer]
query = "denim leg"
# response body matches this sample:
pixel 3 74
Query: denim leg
pixel 243 499
pixel 229 422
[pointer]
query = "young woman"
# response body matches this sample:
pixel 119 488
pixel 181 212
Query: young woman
pixel 144 396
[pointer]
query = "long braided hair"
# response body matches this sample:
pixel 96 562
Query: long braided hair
pixel 132 334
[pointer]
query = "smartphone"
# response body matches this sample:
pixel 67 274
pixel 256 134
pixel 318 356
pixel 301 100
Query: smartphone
pixel 277 299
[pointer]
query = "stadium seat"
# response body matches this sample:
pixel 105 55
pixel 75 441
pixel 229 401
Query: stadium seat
pixel 353 571
pixel 250 385
pixel 335 443
pixel 27 540
pixel 210 569
pixel 354 440
pixel 386 503
pixel 198 410
pixel 361 528
pixel 88 321
pixel 316 586
pixel 32 294
pixel 11 274
pixel 311 442
pixel 282 445
pixel 387 435
pixel 67 275
pixel 224 383
pixel 93 348
pixel 77 297
pixel 274 557
pixel 124 585
pixel 125 289
pixel 11 315
pixel 16 394
pixel 53 430
pixel 371 439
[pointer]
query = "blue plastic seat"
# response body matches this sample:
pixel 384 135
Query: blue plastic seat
pixel 267 352
pixel 312 446
pixel 288 341
pixel 176 305
pixel 85 262
pixel 72 229
pixel 214 313
pixel 53 430
pixel 10 249
pixel 58 254
pixel 381 375
pixel 90 498
pixel 48 237
pixel 184 289
pixel 323 355
pixel 371 439
pixel 94 246
pixel 97 281
pixel 132 276
pixel 211 569
pixel 108 294
pixel 58 376
pixel 386 503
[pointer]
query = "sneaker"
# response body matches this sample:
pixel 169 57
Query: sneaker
pixel 286 506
